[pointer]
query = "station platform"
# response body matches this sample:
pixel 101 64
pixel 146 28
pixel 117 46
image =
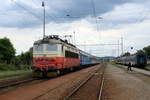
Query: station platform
pixel 120 84
pixel 142 71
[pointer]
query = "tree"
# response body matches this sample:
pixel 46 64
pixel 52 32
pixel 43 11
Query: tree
pixel 7 51
pixel 125 54
pixel 147 51
pixel 140 52
pixel 26 57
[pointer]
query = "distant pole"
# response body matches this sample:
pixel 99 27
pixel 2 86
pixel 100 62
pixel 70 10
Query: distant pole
pixel 122 44
pixel 84 46
pixel 131 49
pixel 71 37
pixel 43 5
pixel 118 48
pixel 74 38
pixel 99 26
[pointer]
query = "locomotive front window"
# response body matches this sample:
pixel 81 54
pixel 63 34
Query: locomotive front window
pixel 38 47
pixel 51 47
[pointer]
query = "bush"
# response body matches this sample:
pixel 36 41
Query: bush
pixel 7 67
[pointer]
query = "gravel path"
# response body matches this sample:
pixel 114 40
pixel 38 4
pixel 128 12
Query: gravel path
pixel 123 85
pixel 53 89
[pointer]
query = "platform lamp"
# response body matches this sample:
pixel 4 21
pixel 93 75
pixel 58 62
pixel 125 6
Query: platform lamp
pixel 43 5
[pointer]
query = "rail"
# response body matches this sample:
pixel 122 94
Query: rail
pixel 101 85
pixel 10 84
pixel 84 82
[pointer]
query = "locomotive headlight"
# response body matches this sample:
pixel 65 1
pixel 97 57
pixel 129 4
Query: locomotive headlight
pixel 34 68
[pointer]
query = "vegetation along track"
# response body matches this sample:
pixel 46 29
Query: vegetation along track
pixel 90 88
pixel 15 75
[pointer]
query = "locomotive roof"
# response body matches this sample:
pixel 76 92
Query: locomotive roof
pixel 53 39
pixel 56 39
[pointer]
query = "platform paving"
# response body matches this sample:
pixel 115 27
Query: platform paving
pixel 142 71
pixel 121 84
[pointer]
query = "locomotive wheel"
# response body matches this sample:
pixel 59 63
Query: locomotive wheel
pixel 44 74
pixel 37 74
pixel 61 71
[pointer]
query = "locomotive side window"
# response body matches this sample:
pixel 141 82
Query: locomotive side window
pixel 38 47
pixel 51 47
pixel 69 54
pixel 62 48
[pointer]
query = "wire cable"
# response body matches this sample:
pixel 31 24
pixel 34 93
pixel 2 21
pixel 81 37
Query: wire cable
pixel 94 13
pixel 30 12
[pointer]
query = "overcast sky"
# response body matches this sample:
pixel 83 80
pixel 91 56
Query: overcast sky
pixel 21 21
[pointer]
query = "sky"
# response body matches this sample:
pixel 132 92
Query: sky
pixel 22 22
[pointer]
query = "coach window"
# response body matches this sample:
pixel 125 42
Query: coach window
pixel 38 47
pixel 51 47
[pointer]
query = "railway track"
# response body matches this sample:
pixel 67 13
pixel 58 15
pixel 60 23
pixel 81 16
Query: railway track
pixel 73 94
pixel 73 81
pixel 101 85
pixel 12 83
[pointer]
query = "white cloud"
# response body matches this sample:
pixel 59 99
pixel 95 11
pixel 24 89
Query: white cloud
pixel 126 11
pixel 112 26
pixel 22 39
pixel 135 35
pixel 125 14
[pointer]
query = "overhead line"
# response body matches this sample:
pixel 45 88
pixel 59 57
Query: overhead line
pixel 26 9
pixel 94 12
pixel 95 44
pixel 93 6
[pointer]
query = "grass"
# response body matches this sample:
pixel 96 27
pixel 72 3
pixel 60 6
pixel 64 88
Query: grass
pixel 8 75
pixel 12 71
pixel 148 62
pixel 148 65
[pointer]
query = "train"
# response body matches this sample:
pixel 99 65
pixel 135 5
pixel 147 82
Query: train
pixel 55 55
pixel 136 60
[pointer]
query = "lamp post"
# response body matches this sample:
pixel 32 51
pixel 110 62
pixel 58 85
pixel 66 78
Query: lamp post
pixel 43 5
pixel 99 17
pixel 131 49
pixel 98 27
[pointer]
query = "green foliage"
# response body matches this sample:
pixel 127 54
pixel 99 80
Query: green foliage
pixel 8 60
pixel 7 51
pixel 140 52
pixel 125 54
pixel 147 51
pixel 26 57
pixel 7 67
pixel 144 51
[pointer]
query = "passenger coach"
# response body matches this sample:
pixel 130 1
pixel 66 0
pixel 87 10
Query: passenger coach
pixel 137 60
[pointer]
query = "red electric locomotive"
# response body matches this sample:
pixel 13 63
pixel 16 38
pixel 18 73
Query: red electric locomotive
pixel 53 55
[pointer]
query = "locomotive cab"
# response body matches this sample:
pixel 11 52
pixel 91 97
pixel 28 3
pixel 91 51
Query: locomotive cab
pixel 46 50
pixel 45 56
pixel 54 55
